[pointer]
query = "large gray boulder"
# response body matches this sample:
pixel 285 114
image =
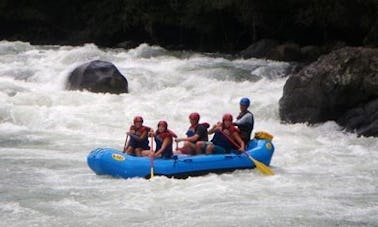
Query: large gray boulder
pixel 97 76
pixel 341 86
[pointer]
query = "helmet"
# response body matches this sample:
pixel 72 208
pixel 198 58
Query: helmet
pixel 245 102
pixel 227 117
pixel 164 123
pixel 138 119
pixel 194 116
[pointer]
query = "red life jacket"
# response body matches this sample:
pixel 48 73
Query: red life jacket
pixel 140 130
pixel 192 129
pixel 168 133
pixel 205 124
pixel 230 133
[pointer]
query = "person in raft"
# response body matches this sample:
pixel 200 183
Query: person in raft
pixel 164 140
pixel 245 121
pixel 196 132
pixel 138 141
pixel 226 138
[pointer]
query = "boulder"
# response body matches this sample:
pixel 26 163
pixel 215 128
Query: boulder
pixel 371 38
pixel 259 49
pixel 127 45
pixel 364 119
pixel 286 52
pixel 341 86
pixel 311 52
pixel 97 76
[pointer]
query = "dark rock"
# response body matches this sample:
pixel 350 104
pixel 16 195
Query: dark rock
pixel 341 86
pixel 364 119
pixel 127 45
pixel 97 76
pixel 311 53
pixel 260 49
pixel 289 51
pixel 285 52
pixel 371 38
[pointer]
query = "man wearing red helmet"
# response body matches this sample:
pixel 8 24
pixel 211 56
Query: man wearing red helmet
pixel 226 137
pixel 196 132
pixel 138 138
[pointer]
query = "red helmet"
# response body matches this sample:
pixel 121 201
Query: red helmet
pixel 227 117
pixel 194 116
pixel 164 123
pixel 138 119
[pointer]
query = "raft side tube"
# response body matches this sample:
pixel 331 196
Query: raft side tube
pixel 117 164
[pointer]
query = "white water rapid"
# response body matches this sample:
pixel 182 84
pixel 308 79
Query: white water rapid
pixel 324 176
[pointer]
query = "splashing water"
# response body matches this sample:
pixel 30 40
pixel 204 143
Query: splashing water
pixel 324 176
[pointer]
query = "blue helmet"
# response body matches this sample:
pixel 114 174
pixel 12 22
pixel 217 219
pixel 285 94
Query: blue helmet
pixel 245 102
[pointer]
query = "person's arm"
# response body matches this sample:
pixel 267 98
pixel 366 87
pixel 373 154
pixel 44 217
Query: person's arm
pixel 216 127
pixel 131 131
pixel 246 119
pixel 127 142
pixel 141 137
pixel 189 139
pixel 239 140
pixel 151 133
pixel 167 140
pixel 200 132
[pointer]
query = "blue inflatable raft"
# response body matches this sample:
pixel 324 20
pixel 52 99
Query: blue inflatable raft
pixel 107 161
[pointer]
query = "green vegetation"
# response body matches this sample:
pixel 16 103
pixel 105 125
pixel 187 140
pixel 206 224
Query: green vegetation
pixel 206 25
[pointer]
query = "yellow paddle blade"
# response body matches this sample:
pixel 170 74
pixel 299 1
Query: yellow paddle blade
pixel 261 166
pixel 152 173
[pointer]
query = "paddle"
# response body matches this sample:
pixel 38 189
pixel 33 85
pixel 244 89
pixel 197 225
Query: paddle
pixel 124 146
pixel 259 165
pixel 152 156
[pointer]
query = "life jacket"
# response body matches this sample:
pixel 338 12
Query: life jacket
pixel 220 139
pixel 192 130
pixel 246 128
pixel 138 132
pixel 159 139
pixel 162 135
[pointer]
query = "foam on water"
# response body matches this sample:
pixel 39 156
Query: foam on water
pixel 324 176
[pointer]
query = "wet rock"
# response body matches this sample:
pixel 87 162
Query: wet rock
pixel 260 49
pixel 97 76
pixel 363 119
pixel 127 45
pixel 371 38
pixel 340 86
pixel 286 52
pixel 311 52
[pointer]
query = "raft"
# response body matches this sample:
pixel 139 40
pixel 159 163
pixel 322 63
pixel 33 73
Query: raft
pixel 112 162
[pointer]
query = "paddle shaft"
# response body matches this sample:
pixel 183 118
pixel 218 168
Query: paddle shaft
pixel 230 139
pixel 152 156
pixel 259 165
pixel 124 146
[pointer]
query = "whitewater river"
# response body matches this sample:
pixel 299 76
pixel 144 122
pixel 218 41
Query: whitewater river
pixel 324 176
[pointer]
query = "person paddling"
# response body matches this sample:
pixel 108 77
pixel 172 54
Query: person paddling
pixel 196 132
pixel 245 120
pixel 164 140
pixel 226 137
pixel 138 141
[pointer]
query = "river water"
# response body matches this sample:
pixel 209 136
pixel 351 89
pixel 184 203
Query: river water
pixel 324 176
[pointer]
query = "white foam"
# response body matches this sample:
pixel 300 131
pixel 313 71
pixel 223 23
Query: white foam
pixel 46 133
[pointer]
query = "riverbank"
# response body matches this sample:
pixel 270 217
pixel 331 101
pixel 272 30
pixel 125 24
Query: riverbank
pixel 205 26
